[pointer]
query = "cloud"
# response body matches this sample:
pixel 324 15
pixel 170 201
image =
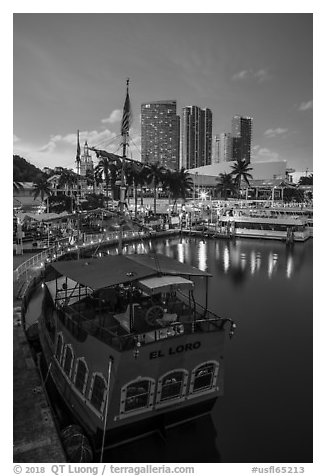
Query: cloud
pixel 241 75
pixel 262 75
pixel 114 117
pixel 16 139
pixel 275 132
pixel 305 106
pixel 60 150
pixel 248 74
pixel 265 155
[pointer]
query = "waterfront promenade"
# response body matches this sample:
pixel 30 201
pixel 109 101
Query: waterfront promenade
pixel 35 436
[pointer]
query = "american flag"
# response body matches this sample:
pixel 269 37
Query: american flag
pixel 78 148
pixel 126 117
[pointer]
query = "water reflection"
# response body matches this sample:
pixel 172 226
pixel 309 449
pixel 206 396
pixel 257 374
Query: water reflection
pixel 253 262
pixel 181 254
pixel 181 443
pixel 202 255
pixel 226 259
pixel 236 259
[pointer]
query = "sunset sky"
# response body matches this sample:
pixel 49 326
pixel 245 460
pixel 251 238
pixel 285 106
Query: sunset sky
pixel 70 71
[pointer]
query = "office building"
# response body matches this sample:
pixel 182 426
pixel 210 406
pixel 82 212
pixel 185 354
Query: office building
pixel 196 137
pixel 223 150
pixel 160 133
pixel 242 137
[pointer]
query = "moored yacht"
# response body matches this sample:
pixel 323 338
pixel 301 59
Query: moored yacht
pixel 262 224
pixel 127 346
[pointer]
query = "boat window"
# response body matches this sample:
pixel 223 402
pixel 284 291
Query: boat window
pixel 138 394
pixel 59 349
pixel 204 377
pixel 172 385
pixel 81 374
pixel 97 393
pixel 68 359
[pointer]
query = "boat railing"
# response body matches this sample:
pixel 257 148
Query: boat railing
pixel 82 325
pixel 202 314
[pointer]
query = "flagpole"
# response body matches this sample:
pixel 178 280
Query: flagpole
pixel 125 134
pixel 106 406
pixel 78 193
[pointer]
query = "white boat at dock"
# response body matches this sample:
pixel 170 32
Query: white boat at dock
pixel 264 224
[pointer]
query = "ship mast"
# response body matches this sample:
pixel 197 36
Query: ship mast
pixel 125 124
pixel 78 193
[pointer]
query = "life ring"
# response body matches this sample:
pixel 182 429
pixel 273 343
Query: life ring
pixel 154 313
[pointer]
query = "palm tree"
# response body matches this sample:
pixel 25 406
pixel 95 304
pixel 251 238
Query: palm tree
pixel 142 181
pixel 68 179
pixel 109 170
pixel 155 177
pixel 90 179
pixel 129 177
pixel 240 171
pixel 306 180
pixel 225 184
pixel 179 183
pixel 136 174
pixel 42 188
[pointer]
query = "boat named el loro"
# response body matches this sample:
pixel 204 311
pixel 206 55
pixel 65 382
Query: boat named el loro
pixel 124 341
pixel 126 344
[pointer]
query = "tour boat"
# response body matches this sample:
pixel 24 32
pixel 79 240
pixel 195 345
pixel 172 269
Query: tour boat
pixel 127 346
pixel 306 213
pixel 264 225
pixel 124 341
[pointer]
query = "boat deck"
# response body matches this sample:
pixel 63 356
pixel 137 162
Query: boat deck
pixel 151 321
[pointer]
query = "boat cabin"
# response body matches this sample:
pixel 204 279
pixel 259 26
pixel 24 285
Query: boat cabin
pixel 129 300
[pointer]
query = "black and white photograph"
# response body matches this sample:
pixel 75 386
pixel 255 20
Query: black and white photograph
pixel 162 241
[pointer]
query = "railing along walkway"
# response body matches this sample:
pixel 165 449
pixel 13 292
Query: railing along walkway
pixel 32 267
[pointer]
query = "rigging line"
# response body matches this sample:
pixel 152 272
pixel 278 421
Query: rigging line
pixel 108 141
pixel 105 139
pixel 134 143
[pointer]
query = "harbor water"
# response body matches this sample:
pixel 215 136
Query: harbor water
pixel 265 414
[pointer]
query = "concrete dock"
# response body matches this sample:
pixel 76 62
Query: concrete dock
pixel 35 435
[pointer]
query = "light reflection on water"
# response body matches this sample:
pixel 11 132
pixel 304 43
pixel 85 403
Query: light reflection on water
pixel 256 257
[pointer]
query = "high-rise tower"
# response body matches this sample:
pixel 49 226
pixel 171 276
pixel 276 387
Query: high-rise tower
pixel 196 137
pixel 242 137
pixel 223 148
pixel 160 133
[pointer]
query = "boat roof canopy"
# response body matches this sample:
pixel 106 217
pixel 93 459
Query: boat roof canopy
pixel 166 265
pixel 118 269
pixel 164 284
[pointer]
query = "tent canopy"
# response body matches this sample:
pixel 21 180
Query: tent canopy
pixel 164 284
pixel 119 269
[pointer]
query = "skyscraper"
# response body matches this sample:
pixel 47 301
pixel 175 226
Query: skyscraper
pixel 196 137
pixel 242 136
pixel 223 148
pixel 160 133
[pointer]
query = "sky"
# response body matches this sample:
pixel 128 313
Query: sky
pixel 69 73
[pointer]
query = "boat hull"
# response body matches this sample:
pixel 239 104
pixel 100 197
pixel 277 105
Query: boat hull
pixel 154 360
pixel 270 235
pixel 129 431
